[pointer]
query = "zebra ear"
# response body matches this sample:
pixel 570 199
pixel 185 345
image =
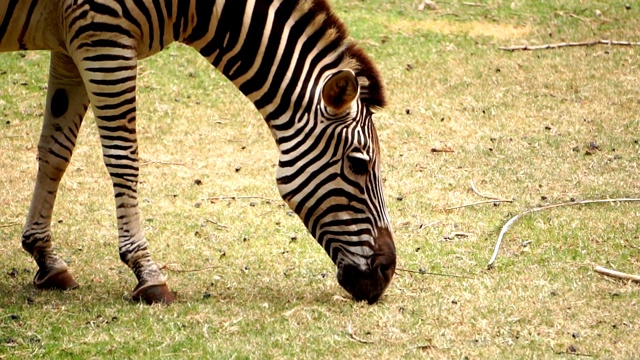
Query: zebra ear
pixel 340 90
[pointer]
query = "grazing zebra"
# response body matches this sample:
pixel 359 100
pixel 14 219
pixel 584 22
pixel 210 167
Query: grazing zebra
pixel 316 91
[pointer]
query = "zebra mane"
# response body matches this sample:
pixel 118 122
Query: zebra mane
pixel 371 87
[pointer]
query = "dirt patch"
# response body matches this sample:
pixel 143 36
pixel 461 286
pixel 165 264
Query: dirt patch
pixel 471 28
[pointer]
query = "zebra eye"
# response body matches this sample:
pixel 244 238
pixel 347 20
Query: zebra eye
pixel 358 163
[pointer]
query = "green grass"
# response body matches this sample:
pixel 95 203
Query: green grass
pixel 520 124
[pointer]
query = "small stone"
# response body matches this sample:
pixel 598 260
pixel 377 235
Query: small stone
pixel 238 168
pixel 13 273
pixel 253 203
pixel 407 111
pixel 575 335
pixel 454 301
pixel 197 204
pixel 399 198
pixel 30 300
pixel 409 67
pixel 14 317
pixel 572 349
pixel 197 182
pixel 293 238
pixel 422 270
pixel 206 295
pixel 627 6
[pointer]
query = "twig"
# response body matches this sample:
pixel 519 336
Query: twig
pixel 216 223
pixel 478 203
pixel 9 224
pixel 214 198
pixel 616 274
pixel 422 272
pixel 474 4
pixel 161 163
pixel 354 337
pixel 579 17
pixel 456 234
pixel 532 210
pixel 169 267
pixel 444 149
pixel 492 199
pixel 568 44
pixel 574 353
pixel 485 195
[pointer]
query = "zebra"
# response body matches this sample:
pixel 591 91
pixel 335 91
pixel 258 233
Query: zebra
pixel 316 90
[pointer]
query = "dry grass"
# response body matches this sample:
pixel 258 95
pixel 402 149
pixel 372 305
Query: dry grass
pixel 523 125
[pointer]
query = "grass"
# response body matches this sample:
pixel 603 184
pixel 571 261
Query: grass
pixel 520 123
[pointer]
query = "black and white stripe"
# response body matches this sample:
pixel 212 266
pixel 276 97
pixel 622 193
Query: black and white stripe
pixel 291 58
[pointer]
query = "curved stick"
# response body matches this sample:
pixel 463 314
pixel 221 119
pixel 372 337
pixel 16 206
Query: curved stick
pixel 529 211
pixel 616 274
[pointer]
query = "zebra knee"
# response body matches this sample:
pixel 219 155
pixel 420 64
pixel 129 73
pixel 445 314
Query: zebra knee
pixel 32 242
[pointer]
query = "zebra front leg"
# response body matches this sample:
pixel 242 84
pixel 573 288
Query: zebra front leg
pixel 66 106
pixel 113 95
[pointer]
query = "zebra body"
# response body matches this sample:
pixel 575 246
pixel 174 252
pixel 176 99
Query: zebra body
pixel 316 91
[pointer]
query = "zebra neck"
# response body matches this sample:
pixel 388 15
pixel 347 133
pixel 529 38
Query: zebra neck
pixel 276 52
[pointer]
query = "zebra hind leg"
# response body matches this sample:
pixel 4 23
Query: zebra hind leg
pixel 66 106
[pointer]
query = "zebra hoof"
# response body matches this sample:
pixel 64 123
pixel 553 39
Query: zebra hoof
pixel 153 294
pixel 61 280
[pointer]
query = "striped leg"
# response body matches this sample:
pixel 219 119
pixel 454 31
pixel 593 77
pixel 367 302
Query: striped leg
pixel 111 81
pixel 67 103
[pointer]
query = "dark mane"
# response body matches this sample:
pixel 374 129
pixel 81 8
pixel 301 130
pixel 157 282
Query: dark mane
pixel 372 90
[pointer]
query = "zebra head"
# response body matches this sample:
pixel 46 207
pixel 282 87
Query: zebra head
pixel 329 174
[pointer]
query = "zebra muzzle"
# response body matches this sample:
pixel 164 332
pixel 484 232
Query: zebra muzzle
pixel 370 283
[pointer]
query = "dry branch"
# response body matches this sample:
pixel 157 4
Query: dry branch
pixel 492 199
pixel 161 163
pixel 569 44
pixel 616 274
pixel 214 198
pixel 354 337
pixel 170 267
pixel 216 223
pixel 485 195
pixel 477 203
pixel 529 211
pixel 422 272
pixel 9 224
